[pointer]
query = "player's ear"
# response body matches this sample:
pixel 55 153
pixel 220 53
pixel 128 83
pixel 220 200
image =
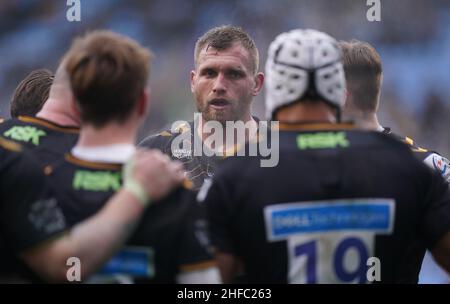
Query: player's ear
pixel 75 109
pixel 259 82
pixel 144 102
pixel 193 79
pixel 346 94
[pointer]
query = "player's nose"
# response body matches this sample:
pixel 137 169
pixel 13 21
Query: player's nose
pixel 219 86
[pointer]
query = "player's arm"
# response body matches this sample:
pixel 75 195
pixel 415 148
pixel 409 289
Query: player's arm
pixel 440 164
pixel 441 252
pixel 436 224
pixel 229 266
pixel 207 274
pixel 96 239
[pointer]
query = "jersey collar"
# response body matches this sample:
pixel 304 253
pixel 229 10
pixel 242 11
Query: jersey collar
pixel 315 126
pixel 49 124
pixel 118 153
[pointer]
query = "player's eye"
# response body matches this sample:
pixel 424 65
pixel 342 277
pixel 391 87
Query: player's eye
pixel 208 73
pixel 235 74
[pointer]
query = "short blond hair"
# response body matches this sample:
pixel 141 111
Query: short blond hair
pixel 363 71
pixel 224 37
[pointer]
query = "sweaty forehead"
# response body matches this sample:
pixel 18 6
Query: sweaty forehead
pixel 236 56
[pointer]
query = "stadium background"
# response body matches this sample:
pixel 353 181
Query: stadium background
pixel 413 39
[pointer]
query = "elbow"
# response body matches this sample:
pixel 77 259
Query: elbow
pixel 441 252
pixel 61 271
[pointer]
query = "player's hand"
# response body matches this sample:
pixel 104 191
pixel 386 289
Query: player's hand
pixel 154 173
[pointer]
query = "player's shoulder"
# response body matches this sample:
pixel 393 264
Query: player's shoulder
pixel 40 123
pixel 17 162
pixel 342 136
pixel 405 139
pixel 7 123
pixel 311 140
pixel 430 157
pixel 83 178
pixel 10 146
pixel 31 131
pixel 10 152
pixel 391 142
pixel 165 137
pixel 234 165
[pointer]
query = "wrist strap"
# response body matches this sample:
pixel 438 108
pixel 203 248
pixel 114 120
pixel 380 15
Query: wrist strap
pixel 133 186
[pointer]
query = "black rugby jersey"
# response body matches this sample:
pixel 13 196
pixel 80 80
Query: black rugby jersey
pixel 169 239
pixel 29 213
pixel 197 163
pixel 337 198
pixel 199 167
pixel 48 140
pixel 432 159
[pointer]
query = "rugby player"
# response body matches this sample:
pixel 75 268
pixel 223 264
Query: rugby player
pixel 224 83
pixel 338 200
pixel 364 75
pixel 54 130
pixel 108 75
pixel 36 240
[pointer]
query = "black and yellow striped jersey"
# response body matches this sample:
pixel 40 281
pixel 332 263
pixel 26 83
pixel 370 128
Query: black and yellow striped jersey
pixel 29 213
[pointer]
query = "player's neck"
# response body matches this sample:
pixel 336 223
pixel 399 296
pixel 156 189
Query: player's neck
pixel 307 112
pixel 363 120
pixel 55 111
pixel 111 134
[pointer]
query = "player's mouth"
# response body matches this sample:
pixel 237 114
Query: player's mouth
pixel 219 103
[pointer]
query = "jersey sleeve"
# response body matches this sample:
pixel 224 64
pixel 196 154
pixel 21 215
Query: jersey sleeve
pixel 436 219
pixel 30 214
pixel 438 163
pixel 150 141
pixel 159 141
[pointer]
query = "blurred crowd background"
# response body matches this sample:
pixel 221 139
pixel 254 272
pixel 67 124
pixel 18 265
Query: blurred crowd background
pixel 413 39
